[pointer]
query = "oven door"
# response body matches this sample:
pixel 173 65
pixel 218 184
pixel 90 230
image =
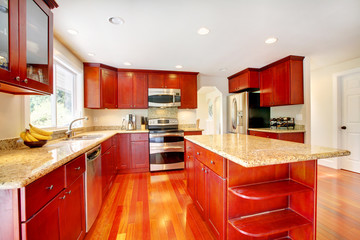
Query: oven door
pixel 166 151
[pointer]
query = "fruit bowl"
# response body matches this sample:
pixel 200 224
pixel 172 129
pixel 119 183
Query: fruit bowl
pixel 37 144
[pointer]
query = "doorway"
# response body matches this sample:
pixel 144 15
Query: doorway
pixel 349 119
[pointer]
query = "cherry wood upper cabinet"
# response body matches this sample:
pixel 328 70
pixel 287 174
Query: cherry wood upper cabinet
pixel 281 83
pixel 100 86
pixel 247 79
pixel 188 87
pixel 132 90
pixel 24 70
pixel 162 80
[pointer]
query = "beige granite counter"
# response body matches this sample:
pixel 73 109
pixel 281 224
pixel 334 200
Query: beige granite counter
pixel 251 151
pixel 269 130
pixel 20 167
pixel 186 129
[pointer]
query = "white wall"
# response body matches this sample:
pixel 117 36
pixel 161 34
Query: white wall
pixel 322 106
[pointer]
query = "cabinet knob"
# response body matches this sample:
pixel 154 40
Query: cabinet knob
pixel 343 127
pixel 197 153
pixel 69 192
pixel 202 169
pixel 17 78
pixel 77 168
pixel 134 105
pixel 25 80
pixel 50 188
pixel 205 171
pixel 212 162
pixel 188 156
pixel 63 197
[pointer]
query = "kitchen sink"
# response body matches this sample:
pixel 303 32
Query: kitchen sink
pixel 84 137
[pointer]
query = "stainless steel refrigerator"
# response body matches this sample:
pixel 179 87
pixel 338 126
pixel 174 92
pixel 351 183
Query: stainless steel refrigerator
pixel 244 112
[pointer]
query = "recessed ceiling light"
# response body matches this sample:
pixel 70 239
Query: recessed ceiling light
pixel 116 20
pixel 127 64
pixel 91 54
pixel 72 32
pixel 271 40
pixel 203 31
pixel 222 69
pixel 178 66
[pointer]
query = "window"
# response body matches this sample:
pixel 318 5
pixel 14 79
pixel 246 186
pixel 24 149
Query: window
pixel 59 109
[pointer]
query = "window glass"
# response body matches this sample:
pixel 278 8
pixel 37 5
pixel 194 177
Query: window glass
pixel 40 111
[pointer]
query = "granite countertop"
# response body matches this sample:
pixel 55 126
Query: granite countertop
pixel 20 167
pixel 277 130
pixel 251 151
pixel 187 129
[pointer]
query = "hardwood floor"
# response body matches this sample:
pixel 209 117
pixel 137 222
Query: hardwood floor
pixel 157 206
pixel 149 206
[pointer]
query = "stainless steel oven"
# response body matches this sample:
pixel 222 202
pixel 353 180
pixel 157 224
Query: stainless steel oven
pixel 164 97
pixel 166 145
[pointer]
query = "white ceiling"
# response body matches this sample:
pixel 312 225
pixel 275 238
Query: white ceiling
pixel 159 34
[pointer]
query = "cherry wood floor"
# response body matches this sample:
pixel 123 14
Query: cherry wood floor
pixel 157 206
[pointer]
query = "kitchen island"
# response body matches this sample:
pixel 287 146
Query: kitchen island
pixel 248 187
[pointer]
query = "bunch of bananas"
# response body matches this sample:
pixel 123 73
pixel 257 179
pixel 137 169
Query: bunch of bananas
pixel 35 134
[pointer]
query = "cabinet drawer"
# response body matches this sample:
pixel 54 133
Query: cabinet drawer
pixel 200 153
pixel 189 147
pixel 74 169
pixel 139 137
pixel 216 163
pixel 37 194
pixel 106 145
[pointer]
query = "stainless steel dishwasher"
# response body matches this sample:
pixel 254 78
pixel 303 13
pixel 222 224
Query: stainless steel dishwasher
pixel 93 185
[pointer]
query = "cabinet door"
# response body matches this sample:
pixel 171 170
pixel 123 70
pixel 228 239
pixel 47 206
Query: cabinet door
pixel 281 84
pixel 125 91
pixel 72 211
pixel 45 224
pixel 140 91
pixel 140 155
pixel 156 80
pixel 188 87
pixel 233 85
pixel 105 170
pixel 9 67
pixel 266 88
pixel 172 81
pixel 124 152
pixel 200 187
pixel 36 45
pixel 190 174
pixel 108 88
pixel 216 195
pixel 91 87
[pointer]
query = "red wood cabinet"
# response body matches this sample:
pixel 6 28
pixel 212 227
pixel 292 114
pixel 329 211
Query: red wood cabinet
pixel 188 87
pixel 107 169
pixel 133 153
pixel 292 137
pixel 132 90
pixel 281 83
pixel 164 80
pixel 23 71
pixel 244 80
pixel 210 190
pixel 188 133
pixel 100 86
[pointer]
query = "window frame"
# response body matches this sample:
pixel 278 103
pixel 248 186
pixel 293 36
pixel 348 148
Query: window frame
pixel 77 103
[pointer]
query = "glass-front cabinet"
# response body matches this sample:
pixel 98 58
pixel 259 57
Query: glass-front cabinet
pixel 26 54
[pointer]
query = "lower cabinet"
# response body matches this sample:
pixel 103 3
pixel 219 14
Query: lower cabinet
pixel 108 169
pixel 62 218
pixel 210 198
pixel 292 137
pixel 133 153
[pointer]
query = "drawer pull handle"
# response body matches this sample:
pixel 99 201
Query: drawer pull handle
pixel 212 162
pixel 202 169
pixel 69 192
pixel 50 188
pixel 63 197
pixel 77 168
pixel 197 153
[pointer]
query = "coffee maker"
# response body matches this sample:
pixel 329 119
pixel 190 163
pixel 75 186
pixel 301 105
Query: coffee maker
pixel 131 118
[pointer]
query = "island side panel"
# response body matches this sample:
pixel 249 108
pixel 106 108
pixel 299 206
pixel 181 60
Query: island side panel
pixel 9 214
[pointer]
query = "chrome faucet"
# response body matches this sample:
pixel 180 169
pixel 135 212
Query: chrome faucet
pixel 69 133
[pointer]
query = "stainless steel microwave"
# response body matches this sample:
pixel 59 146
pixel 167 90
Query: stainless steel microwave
pixel 164 97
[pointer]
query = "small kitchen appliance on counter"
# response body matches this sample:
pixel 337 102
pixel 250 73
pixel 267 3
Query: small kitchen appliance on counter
pixel 131 122
pixel 166 144
pixel 244 112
